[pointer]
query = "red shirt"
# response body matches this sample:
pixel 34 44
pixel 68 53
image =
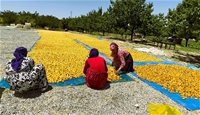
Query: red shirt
pixel 96 72
pixel 96 64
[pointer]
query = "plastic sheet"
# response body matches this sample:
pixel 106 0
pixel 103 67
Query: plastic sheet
pixel 80 80
pixel 73 82
pixel 188 103
pixel 192 67
pixel 33 45
pixel 124 77
pixel 4 84
pixel 100 38
pixel 162 109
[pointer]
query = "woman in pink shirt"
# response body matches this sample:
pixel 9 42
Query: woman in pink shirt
pixel 95 70
pixel 122 59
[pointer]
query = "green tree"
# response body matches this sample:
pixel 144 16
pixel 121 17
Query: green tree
pixel 131 14
pixel 157 26
pixel 106 22
pixel 73 24
pixel 24 17
pixel 1 20
pixel 172 18
pixel 94 20
pixel 187 19
pixel 48 21
pixel 81 23
pixel 146 20
pixel 8 17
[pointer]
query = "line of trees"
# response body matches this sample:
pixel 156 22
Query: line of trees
pixel 123 17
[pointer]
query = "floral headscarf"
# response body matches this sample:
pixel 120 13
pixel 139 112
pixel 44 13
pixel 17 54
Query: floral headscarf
pixel 113 46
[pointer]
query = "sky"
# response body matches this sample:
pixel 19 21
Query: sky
pixel 74 8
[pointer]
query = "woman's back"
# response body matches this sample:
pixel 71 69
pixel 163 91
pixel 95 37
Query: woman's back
pixel 97 64
pixel 26 66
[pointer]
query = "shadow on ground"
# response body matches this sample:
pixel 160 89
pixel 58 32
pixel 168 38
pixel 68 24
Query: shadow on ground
pixel 31 93
pixel 107 86
pixel 189 58
pixel 1 92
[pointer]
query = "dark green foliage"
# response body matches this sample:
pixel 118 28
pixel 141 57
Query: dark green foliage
pixel 8 17
pixel 132 15
pixel 123 17
pixel 184 21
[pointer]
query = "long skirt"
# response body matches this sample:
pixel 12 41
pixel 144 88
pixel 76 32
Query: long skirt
pixel 24 81
pixel 129 64
pixel 96 80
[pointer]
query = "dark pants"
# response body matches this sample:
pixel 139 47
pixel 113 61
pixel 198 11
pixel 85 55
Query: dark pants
pixel 129 64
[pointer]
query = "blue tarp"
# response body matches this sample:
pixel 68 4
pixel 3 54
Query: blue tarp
pixel 188 103
pixel 33 45
pixel 73 82
pixel 80 80
pixel 153 63
pixel 124 77
pixel 4 84
pixel 100 38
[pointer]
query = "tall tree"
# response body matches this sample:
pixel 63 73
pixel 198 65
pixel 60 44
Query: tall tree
pixel 157 25
pixel 9 17
pixel 1 20
pixel 105 22
pixel 172 24
pixel 146 20
pixel 130 14
pixel 49 21
pixel 94 20
pixel 187 19
pixel 28 17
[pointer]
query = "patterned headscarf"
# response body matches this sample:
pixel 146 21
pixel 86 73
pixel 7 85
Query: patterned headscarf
pixel 93 53
pixel 113 46
pixel 19 54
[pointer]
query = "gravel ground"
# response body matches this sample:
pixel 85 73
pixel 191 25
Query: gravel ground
pixel 127 98
pixel 10 39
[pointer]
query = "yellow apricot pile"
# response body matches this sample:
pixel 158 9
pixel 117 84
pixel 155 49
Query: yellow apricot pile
pixel 103 46
pixel 62 57
pixel 175 78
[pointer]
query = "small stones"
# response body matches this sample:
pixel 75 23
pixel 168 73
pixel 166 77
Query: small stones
pixel 137 105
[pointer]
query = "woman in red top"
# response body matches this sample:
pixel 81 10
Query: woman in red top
pixel 122 59
pixel 95 70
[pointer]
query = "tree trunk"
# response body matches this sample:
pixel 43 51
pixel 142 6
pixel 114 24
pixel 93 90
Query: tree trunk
pixel 132 34
pixel 186 43
pixel 103 33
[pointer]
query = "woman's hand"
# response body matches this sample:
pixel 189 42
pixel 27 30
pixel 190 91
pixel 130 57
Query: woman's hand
pixel 111 64
pixel 116 72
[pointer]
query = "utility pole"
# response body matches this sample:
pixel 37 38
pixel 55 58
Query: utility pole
pixel 71 14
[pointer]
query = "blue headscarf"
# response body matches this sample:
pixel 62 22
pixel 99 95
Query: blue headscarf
pixel 93 53
pixel 19 54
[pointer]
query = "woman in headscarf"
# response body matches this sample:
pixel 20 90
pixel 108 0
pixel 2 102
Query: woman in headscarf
pixel 95 70
pixel 22 75
pixel 122 59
